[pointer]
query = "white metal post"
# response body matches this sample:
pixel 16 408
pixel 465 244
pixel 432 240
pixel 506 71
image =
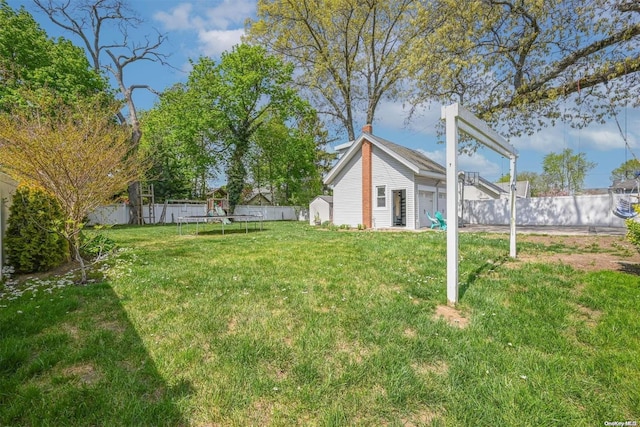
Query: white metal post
pixel 450 113
pixel 459 119
pixel 512 203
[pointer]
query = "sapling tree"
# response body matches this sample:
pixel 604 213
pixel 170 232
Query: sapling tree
pixel 76 152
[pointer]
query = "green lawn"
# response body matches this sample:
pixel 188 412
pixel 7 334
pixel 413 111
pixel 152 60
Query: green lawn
pixel 294 325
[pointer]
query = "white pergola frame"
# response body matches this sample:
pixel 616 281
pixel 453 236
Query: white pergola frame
pixel 459 119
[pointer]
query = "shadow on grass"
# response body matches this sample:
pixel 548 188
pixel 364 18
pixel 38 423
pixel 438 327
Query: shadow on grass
pixel 475 274
pixel 230 229
pixel 629 267
pixel 72 357
pixel 216 229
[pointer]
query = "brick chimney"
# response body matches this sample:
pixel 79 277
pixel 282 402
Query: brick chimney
pixel 367 183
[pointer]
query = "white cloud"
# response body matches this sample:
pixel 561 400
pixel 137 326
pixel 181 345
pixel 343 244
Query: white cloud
pixel 177 18
pixel 393 115
pixel 599 139
pixel 475 162
pixel 230 13
pixel 216 28
pixel 546 140
pixel 215 42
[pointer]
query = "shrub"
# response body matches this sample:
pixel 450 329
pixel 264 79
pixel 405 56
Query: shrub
pixel 96 246
pixel 33 238
pixel 633 233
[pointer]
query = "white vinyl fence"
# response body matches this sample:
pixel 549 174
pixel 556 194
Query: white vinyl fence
pixel 119 214
pixel 589 210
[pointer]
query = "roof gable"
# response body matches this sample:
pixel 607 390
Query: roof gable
pixel 412 159
pixel 327 199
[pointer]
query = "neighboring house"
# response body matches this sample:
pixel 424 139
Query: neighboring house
pixel 381 184
pixel 523 189
pixel 630 186
pixel 486 190
pixel 7 188
pixel 259 197
pixel 321 210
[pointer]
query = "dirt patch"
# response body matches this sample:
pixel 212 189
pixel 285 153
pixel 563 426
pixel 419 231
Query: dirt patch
pixel 438 368
pixel 589 315
pixel 355 351
pixel 584 253
pixel 113 326
pixel 410 333
pixel 451 315
pixel 421 418
pixel 232 325
pixel 261 412
pixel 86 374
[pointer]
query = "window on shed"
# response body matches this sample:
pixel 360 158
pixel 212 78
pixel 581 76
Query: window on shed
pixel 381 196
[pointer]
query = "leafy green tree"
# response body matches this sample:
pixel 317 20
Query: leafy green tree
pixel 351 53
pixel 238 95
pixel 182 154
pixel 626 170
pixel 517 62
pixel 30 60
pixel 285 160
pixel 564 173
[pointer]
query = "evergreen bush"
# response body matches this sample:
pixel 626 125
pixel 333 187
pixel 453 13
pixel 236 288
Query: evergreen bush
pixel 34 242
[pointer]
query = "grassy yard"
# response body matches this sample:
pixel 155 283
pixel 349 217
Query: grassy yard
pixel 294 325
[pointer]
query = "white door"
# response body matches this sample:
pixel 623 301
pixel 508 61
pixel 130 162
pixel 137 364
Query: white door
pixel 425 204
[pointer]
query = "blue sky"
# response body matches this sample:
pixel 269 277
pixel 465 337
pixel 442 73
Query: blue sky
pixel 209 27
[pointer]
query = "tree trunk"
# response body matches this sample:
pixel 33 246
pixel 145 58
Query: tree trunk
pixel 235 175
pixel 135 204
pixel 135 208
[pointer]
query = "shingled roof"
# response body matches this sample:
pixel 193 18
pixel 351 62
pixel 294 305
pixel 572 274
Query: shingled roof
pixel 413 159
pixel 414 156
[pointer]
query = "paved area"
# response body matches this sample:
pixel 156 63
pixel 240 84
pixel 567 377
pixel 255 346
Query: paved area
pixel 547 229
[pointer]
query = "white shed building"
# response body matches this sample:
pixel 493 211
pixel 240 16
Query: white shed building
pixel 381 184
pixel 321 210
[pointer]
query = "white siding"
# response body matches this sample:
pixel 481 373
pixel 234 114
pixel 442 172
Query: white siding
pixel 347 193
pixel 396 176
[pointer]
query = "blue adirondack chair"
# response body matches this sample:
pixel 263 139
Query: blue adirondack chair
pixel 441 221
pixel 434 221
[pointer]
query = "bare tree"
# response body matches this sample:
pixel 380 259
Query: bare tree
pixel 88 19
